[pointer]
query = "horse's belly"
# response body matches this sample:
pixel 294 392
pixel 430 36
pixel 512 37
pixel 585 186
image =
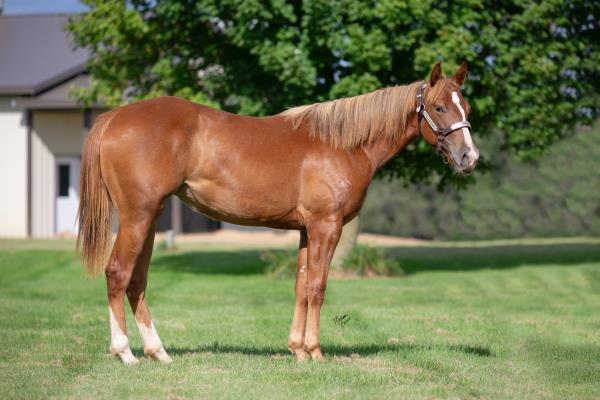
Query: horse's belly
pixel 241 205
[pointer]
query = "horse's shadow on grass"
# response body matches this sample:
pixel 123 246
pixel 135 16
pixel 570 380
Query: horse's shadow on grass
pixel 240 262
pixel 412 259
pixel 333 350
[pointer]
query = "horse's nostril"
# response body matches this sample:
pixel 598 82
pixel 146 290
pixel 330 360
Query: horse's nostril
pixel 464 161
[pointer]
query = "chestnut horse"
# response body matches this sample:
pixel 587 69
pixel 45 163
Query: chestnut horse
pixel 307 169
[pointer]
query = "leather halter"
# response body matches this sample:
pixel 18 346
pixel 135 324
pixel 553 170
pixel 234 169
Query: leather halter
pixel 441 133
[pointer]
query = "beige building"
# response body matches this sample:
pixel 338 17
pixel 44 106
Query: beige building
pixel 42 130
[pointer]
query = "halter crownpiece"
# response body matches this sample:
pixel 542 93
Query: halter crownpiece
pixel 441 133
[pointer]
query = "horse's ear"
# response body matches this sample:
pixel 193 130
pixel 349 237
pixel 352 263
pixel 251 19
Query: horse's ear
pixel 436 74
pixel 461 74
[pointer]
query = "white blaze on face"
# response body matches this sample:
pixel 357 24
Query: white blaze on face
pixel 119 344
pixel 466 133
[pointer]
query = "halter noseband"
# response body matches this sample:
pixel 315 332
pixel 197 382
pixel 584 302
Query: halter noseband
pixel 441 133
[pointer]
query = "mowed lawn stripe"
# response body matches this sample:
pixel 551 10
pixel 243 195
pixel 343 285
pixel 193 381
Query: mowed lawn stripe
pixel 507 330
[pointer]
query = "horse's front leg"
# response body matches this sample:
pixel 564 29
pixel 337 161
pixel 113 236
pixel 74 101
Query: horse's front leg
pixel 323 236
pixel 296 339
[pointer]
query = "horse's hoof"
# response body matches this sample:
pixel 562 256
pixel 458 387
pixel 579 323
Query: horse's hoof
pixel 162 356
pixel 316 355
pixel 127 357
pixel 301 354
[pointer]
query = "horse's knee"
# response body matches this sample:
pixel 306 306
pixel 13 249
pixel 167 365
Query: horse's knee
pixel 316 292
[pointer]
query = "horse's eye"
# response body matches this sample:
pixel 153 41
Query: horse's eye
pixel 439 109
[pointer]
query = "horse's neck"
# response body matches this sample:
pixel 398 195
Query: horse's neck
pixel 380 152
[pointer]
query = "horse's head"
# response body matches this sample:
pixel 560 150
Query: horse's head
pixel 443 121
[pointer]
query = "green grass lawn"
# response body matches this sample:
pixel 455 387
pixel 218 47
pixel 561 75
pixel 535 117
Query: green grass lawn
pixel 465 322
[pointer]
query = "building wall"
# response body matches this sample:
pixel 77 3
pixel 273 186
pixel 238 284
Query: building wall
pixel 55 134
pixel 13 171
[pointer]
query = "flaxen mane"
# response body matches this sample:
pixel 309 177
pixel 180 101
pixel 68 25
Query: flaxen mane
pixel 355 121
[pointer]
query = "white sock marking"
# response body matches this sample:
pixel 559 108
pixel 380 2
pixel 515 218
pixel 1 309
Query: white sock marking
pixel 119 343
pixel 149 336
pixel 152 343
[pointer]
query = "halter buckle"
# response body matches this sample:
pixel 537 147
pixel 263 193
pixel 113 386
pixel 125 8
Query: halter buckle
pixel 421 99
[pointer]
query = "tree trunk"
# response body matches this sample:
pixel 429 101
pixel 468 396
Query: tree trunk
pixel 346 243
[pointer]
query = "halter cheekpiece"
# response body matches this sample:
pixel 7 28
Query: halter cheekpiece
pixel 441 133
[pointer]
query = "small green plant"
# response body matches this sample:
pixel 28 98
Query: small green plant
pixel 161 246
pixel 167 243
pixel 341 320
pixel 280 263
pixel 371 261
pixel 363 261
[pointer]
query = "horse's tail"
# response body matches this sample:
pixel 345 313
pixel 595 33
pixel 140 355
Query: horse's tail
pixel 95 206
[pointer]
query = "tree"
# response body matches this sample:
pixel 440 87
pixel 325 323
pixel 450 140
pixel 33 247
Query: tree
pixel 557 195
pixel 534 66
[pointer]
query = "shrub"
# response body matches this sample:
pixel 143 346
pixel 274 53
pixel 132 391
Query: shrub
pixel 371 261
pixel 362 261
pixel 280 263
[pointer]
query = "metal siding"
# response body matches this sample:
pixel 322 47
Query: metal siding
pixel 55 133
pixel 13 171
pixel 42 187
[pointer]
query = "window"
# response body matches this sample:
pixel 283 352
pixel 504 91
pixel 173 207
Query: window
pixel 64 175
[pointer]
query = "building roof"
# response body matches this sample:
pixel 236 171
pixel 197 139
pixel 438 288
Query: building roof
pixel 58 97
pixel 36 54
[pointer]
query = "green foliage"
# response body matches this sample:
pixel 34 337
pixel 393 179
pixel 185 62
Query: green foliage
pixel 370 261
pixel 556 196
pixel 534 66
pixel 161 246
pixel 362 261
pixel 280 264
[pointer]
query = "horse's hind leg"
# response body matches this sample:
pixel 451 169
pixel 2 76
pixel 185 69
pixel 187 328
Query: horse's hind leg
pixel 134 228
pixel 296 339
pixel 136 293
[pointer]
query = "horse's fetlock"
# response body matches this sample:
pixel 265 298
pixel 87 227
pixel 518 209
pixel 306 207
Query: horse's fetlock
pixel 310 345
pixel 152 350
pixel 295 343
pixel 119 345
